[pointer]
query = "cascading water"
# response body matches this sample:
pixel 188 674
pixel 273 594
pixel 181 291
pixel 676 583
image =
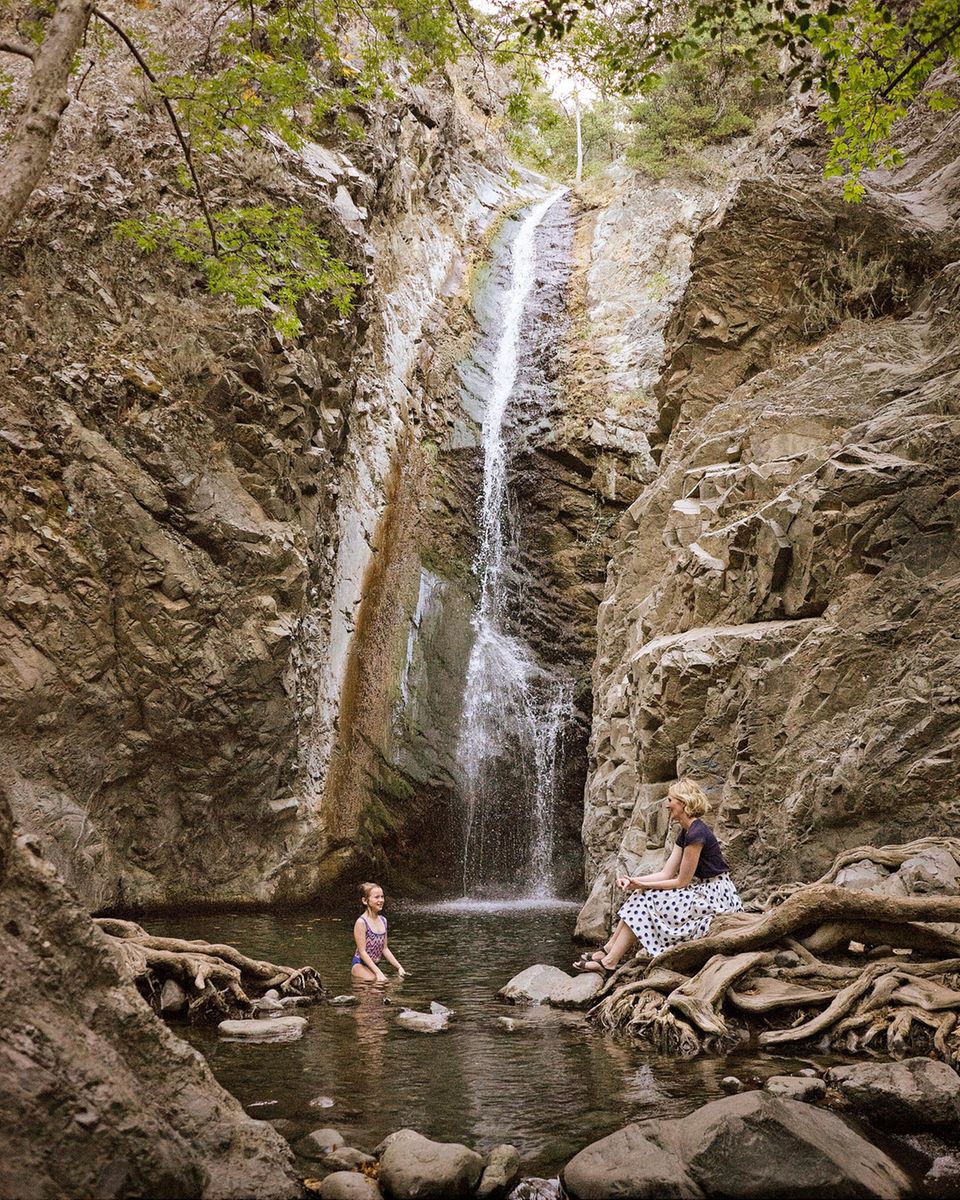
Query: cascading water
pixel 514 708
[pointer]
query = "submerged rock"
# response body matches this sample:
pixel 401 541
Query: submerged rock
pixel 752 1145
pixel 346 1001
pixel 915 1094
pixel 413 1167
pixel 421 1022
pixel 266 1029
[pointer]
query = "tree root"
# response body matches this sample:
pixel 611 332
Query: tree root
pixel 218 980
pixel 802 971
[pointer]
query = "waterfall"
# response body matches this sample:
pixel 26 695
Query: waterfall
pixel 514 708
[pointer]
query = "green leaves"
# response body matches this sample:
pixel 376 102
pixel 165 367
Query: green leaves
pixel 269 258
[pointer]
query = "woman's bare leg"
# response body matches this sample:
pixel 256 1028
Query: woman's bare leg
pixel 360 971
pixel 623 939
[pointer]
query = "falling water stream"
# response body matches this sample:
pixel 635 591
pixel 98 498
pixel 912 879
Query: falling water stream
pixel 514 707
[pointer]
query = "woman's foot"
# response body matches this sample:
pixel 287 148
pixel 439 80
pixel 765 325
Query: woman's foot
pixel 596 966
pixel 589 956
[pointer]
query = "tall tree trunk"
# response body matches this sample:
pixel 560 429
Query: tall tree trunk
pixel 31 139
pixel 576 110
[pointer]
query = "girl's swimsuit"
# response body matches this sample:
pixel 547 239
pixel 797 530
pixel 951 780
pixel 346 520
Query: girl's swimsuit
pixel 375 943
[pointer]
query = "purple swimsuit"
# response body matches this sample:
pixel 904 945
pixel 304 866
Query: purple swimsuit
pixel 374 943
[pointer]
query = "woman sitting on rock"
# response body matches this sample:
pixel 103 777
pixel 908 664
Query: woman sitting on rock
pixel 678 903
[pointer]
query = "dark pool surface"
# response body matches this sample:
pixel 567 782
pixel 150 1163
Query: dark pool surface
pixel 548 1088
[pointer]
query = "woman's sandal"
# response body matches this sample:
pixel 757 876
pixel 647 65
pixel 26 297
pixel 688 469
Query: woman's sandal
pixel 594 966
pixel 589 956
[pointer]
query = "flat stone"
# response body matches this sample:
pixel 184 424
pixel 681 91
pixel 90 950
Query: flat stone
pixel 421 1022
pixel 413 1167
pixel 345 1001
pixel 915 1094
pixel 791 1088
pixel 534 985
pixel 267 1029
pixel 578 991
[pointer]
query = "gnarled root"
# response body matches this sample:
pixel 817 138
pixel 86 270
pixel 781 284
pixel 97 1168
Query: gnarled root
pixel 218 980
pixel 802 972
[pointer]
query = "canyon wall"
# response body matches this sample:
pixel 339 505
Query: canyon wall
pixel 779 614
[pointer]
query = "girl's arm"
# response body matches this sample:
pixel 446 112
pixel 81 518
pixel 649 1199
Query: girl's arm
pixel 360 937
pixel 688 866
pixel 388 955
pixel 668 871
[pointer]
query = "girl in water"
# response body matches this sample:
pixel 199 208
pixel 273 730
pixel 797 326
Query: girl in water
pixel 370 935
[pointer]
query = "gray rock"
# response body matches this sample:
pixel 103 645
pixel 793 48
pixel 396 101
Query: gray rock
pixel 917 1093
pixel 349 1185
pixel 730 1083
pixel 173 999
pixel 345 1001
pixel 931 872
pixel 322 1102
pixel 743 1141
pixel 509 1024
pixel 320 1143
pixel 267 1029
pixel 267 1005
pixel 501 1172
pixel 578 992
pixel 534 985
pixel 421 1022
pixel 347 1159
pixel 789 1087
pixel 413 1167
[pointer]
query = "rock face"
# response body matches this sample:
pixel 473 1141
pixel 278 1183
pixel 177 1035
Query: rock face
pixel 917 1093
pixel 751 1145
pixel 778 614
pixel 97 1097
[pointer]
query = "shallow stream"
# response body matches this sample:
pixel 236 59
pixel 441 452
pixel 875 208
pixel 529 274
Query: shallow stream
pixel 549 1087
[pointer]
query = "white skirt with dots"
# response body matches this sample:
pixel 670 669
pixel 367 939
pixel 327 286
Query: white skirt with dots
pixel 662 919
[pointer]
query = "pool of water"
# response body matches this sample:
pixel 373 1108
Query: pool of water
pixel 549 1087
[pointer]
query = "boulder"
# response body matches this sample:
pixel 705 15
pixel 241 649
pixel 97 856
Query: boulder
pixel 347 1159
pixel 349 1185
pixel 413 1167
pixel 736 1147
pixel 789 1087
pixel 267 1029
pixel 320 1143
pixel 500 1174
pixel 535 985
pixel 915 1094
pixel 577 992
pixel 931 872
pixel 862 876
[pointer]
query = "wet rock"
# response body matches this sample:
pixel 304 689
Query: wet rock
pixel 173 999
pixel 578 992
pixel 789 1087
pixel 320 1143
pixel 322 1102
pixel 509 1024
pixel 501 1171
pixel 413 1167
pixel 915 1094
pixel 534 985
pixel 349 1185
pixel 267 1029
pixel 347 1159
pixel 745 1141
pixel 421 1022
pixel 730 1083
pixel 344 1001
pixel 267 1005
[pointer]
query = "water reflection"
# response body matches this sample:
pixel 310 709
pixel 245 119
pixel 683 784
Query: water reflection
pixel 549 1086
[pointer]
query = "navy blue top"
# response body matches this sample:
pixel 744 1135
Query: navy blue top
pixel 711 862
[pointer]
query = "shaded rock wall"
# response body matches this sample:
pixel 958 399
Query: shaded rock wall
pixel 191 613
pixel 97 1096
pixel 777 620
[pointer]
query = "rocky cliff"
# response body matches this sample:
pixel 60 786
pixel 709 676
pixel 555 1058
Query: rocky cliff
pixel 778 620
pixel 97 1096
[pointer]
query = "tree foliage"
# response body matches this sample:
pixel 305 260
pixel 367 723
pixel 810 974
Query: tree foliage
pixel 866 59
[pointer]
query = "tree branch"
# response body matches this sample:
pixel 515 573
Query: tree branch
pixel 171 113
pixel 33 133
pixel 24 51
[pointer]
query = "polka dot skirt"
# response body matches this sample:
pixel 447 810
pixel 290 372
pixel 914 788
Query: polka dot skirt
pixel 662 919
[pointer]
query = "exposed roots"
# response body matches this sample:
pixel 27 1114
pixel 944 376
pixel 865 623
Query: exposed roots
pixel 216 980
pixel 830 966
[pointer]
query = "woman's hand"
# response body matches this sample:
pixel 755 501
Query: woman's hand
pixel 401 972
pixel 630 885
pixel 380 977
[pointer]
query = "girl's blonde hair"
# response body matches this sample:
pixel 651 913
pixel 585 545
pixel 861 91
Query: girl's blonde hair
pixel 693 796
pixel 366 889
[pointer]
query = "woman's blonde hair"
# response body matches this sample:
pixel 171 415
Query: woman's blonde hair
pixel 693 796
pixel 366 889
